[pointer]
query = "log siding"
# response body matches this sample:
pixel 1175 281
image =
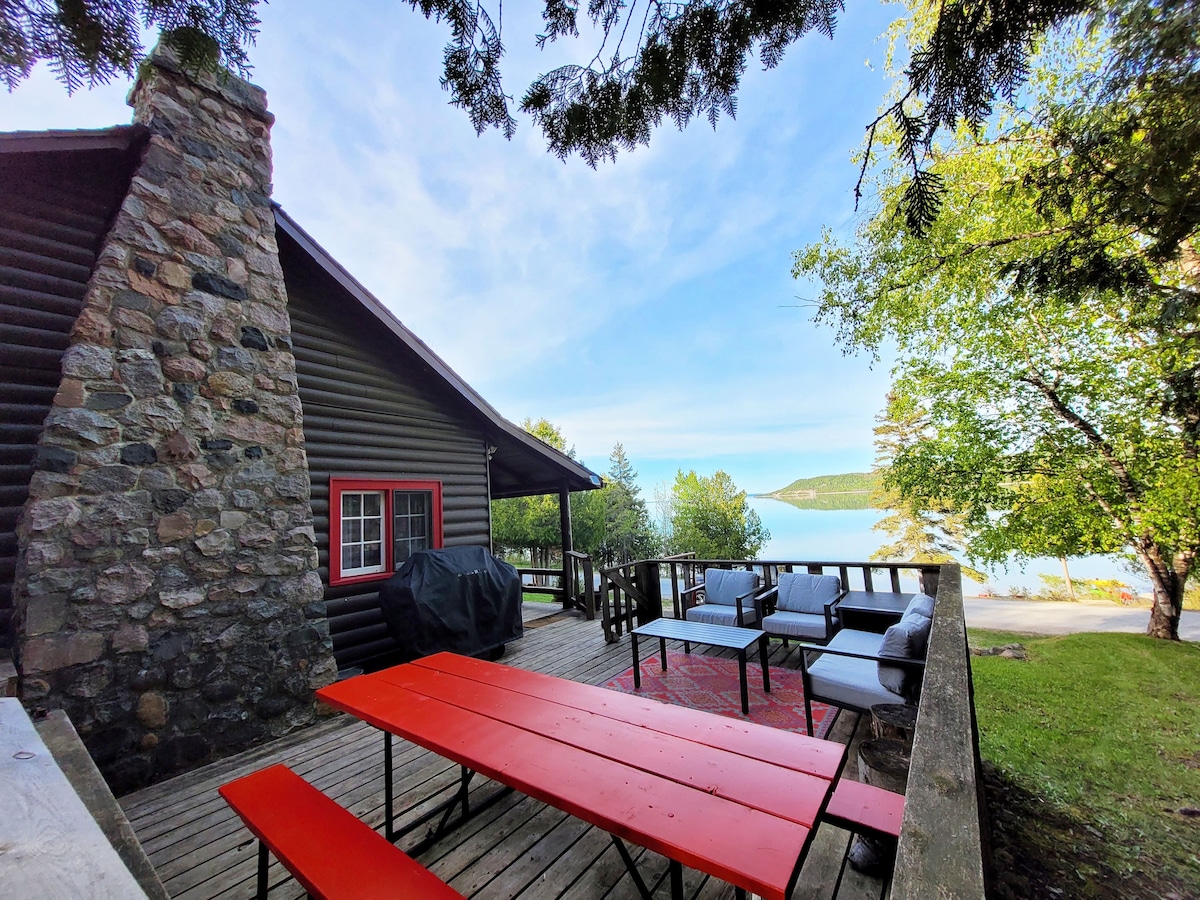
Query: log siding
pixel 373 410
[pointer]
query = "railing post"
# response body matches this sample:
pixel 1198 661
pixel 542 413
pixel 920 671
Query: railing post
pixel 589 589
pixel 645 577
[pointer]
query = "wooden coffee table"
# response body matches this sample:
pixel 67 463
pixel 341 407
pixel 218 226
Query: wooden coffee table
pixel 726 636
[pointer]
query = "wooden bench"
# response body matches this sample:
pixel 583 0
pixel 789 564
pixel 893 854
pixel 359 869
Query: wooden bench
pixel 866 810
pixel 329 850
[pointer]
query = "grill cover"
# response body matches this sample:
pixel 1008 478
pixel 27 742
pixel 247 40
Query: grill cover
pixel 461 599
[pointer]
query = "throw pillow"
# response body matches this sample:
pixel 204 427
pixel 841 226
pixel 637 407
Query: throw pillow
pixel 921 603
pixel 898 640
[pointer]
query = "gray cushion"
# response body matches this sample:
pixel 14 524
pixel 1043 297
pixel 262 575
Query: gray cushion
pixel 849 681
pixel 902 639
pixel 919 627
pixel 716 614
pixel 921 603
pixel 803 593
pixel 865 642
pixel 723 587
pixel 796 625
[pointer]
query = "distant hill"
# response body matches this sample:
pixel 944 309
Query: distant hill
pixel 847 483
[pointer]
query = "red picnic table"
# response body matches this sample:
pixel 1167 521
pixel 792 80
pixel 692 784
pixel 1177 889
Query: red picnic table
pixel 733 799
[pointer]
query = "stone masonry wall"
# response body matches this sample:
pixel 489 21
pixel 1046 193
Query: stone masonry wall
pixel 167 595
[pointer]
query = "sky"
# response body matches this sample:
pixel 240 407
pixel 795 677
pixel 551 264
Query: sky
pixel 648 301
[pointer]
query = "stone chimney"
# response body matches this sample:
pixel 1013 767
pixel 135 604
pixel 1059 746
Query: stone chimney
pixel 167 596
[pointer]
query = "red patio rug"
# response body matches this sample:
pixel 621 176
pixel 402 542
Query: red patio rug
pixel 711 683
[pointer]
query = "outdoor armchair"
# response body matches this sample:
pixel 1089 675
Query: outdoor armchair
pixel 859 669
pixel 802 606
pixel 729 598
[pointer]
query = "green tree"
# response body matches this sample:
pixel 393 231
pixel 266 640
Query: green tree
pixel 531 524
pixel 711 517
pixel 1049 324
pixel 918 534
pixel 628 532
pixel 87 42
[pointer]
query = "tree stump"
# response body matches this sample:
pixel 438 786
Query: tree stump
pixel 894 720
pixel 882 763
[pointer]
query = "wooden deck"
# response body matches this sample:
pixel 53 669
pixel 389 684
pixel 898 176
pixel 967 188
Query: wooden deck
pixel 518 848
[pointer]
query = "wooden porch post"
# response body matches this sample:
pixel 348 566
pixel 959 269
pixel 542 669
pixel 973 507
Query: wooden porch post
pixel 568 544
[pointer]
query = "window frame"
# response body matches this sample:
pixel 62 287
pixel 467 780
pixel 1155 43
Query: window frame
pixel 339 486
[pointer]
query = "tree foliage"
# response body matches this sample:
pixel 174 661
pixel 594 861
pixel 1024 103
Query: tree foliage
pixel 1050 323
pixel 932 532
pixel 710 517
pixel 88 42
pixel 674 61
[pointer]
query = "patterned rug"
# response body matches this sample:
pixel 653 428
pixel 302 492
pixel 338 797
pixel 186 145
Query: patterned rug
pixel 711 683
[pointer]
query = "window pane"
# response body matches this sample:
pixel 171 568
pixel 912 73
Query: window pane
pixel 372 529
pixel 352 530
pixel 372 554
pixel 347 557
pixel 402 527
pixel 400 502
pixel 348 530
pixel 417 527
pixel 418 503
pixel 372 504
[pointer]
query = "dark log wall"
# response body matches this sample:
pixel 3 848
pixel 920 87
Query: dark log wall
pixel 372 409
pixel 53 215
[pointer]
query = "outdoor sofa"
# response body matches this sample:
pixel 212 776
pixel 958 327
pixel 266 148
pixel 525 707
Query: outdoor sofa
pixel 859 669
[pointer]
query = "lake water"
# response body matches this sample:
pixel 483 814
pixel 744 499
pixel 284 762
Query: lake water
pixel 847 535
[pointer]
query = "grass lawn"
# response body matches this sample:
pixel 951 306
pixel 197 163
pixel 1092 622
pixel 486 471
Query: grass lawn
pixel 1093 753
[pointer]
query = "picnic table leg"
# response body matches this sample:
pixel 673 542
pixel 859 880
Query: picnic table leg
pixel 676 880
pixel 662 652
pixel 631 867
pixel 745 690
pixel 262 870
pixel 762 658
pixel 637 669
pixel 387 787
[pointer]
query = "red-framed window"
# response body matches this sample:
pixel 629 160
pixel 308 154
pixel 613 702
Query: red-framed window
pixel 375 524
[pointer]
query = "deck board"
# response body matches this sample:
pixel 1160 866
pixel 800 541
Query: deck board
pixel 517 848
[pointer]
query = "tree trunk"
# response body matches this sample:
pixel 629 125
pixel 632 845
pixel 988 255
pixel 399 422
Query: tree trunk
pixel 1169 582
pixel 1067 576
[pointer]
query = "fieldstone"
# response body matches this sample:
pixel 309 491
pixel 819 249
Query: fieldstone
pixel 140 373
pixel 123 583
pixel 255 431
pixel 253 338
pixel 87 361
pixel 179 324
pixel 47 614
pixel 253 453
pixel 70 394
pixel 103 401
pixel 228 384
pixel 92 327
pixel 130 320
pixel 138 455
pixel 178 447
pixel 130 638
pixel 169 500
pixel 44 515
pixel 176 526
pixel 256 535
pixel 108 479
pixel 141 265
pixel 204 526
pixel 215 544
pixel 218 284
pixel 48 653
pixel 244 499
pixel 184 393
pixel 184 369
pixel 161 414
pixel 152 710
pixel 215 444
pixel 181 599
pixel 233 519
pixel 54 459
pixel 235 359
pixel 83 425
pixel 245 406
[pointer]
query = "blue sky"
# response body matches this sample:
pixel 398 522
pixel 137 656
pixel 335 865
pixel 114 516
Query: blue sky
pixel 648 301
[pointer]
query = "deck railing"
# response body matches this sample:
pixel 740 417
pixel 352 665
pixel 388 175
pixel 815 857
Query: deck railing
pixel 943 849
pixel 574 584
pixel 636 590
